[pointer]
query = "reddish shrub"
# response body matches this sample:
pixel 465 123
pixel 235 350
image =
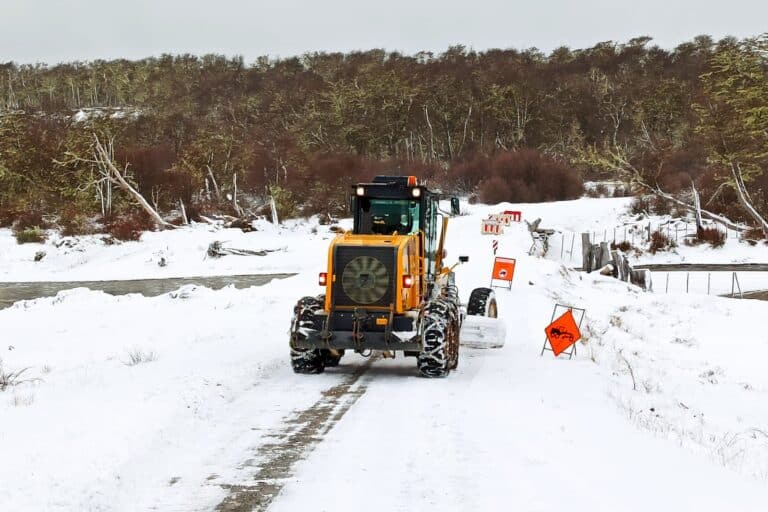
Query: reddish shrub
pixel 622 246
pixel 673 170
pixel 73 221
pixel 661 206
pixel 328 177
pixel 496 190
pixel 7 216
pixel 524 176
pixel 150 166
pixel 130 226
pixel 753 234
pixel 327 180
pixel 660 242
pixel 712 236
pixel 30 219
pixel 465 176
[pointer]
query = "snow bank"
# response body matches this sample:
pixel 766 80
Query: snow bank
pixel 99 431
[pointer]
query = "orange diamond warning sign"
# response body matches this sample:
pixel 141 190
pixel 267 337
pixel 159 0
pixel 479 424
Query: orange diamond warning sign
pixel 503 269
pixel 562 333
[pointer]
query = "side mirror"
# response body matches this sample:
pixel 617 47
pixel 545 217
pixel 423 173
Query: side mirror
pixel 455 206
pixel 463 259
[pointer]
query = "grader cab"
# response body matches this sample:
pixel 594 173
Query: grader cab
pixel 386 288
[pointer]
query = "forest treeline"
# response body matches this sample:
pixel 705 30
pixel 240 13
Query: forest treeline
pixel 505 124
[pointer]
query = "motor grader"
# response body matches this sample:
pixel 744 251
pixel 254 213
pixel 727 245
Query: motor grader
pixel 386 287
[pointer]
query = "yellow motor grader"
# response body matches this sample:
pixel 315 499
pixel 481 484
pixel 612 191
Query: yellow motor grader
pixel 386 288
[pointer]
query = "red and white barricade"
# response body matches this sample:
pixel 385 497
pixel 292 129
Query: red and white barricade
pixel 500 218
pixel 491 227
pixel 506 218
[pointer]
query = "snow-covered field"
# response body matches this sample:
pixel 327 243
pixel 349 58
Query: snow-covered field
pixel 183 252
pixel 665 406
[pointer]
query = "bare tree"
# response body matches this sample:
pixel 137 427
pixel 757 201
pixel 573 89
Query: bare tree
pixel 102 158
pixel 238 210
pixel 696 206
pixel 183 212
pixel 616 159
pixel 101 182
pixel 745 200
pixel 216 192
pixel 105 160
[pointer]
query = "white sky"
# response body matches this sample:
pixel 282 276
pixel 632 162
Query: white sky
pixel 65 30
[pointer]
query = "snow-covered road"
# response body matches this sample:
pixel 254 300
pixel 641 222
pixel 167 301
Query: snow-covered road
pixel 664 408
pixel 508 431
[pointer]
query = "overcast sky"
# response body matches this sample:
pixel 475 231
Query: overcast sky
pixel 65 30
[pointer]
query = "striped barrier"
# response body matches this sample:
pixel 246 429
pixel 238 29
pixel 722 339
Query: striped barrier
pixel 491 227
pixel 506 218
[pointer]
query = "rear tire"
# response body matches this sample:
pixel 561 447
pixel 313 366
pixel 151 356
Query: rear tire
pixel 482 302
pixel 306 360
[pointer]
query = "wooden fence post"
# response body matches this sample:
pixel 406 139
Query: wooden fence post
pixel 617 268
pixel 640 278
pixel 626 268
pixel 586 252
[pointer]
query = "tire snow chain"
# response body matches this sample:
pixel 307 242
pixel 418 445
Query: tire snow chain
pixel 441 308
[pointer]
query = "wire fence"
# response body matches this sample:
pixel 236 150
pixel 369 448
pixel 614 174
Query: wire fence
pixel 641 232
pixel 729 284
pixel 565 246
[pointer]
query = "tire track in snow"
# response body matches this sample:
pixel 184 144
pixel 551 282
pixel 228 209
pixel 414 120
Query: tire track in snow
pixel 302 431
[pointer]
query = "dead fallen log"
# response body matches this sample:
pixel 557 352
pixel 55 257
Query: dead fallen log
pixel 216 250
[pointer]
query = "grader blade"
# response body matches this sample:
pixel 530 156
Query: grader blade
pixel 482 332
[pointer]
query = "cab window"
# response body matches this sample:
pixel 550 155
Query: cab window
pixel 388 216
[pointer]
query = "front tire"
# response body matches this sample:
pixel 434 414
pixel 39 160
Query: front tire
pixel 440 339
pixel 306 360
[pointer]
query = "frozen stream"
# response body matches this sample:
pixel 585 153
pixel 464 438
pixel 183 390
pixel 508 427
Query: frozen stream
pixel 13 292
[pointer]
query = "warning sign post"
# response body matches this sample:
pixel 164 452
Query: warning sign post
pixel 504 271
pixel 563 331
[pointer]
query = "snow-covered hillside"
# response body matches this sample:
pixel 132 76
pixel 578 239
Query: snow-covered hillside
pixel 178 401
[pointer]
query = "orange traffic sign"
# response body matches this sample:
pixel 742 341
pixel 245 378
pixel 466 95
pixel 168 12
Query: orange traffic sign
pixel 503 269
pixel 562 333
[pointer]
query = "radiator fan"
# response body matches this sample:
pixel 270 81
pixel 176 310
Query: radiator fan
pixel 365 280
